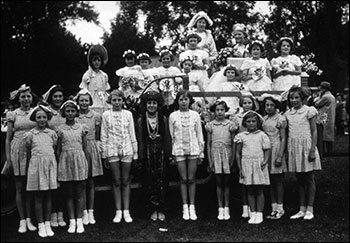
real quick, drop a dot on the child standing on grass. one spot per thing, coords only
(72, 164)
(119, 149)
(220, 148)
(187, 147)
(275, 127)
(303, 156)
(18, 124)
(154, 151)
(42, 170)
(93, 121)
(95, 80)
(252, 154)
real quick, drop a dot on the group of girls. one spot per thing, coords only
(57, 148)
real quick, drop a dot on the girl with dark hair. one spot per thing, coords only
(187, 147)
(154, 151)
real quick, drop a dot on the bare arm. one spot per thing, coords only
(9, 137)
(267, 154)
(239, 157)
(312, 155)
(211, 162)
(283, 145)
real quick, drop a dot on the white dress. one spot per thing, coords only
(285, 82)
(257, 69)
(207, 43)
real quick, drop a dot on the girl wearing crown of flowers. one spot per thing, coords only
(18, 124)
(286, 68)
(199, 24)
(95, 80)
(93, 121)
(199, 57)
(144, 60)
(240, 35)
(256, 70)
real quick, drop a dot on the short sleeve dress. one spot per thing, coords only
(56, 120)
(42, 169)
(299, 140)
(285, 82)
(18, 151)
(72, 165)
(93, 156)
(257, 69)
(221, 144)
(253, 146)
(272, 126)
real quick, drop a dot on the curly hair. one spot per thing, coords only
(279, 43)
(219, 102)
(152, 95)
(256, 43)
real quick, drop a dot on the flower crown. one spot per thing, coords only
(164, 51)
(286, 38)
(143, 55)
(129, 51)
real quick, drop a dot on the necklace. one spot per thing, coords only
(153, 123)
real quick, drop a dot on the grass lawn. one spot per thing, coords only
(331, 209)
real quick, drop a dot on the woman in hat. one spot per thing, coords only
(154, 151)
(18, 124)
(200, 58)
(95, 80)
(199, 24)
(286, 68)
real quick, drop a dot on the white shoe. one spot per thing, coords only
(85, 217)
(221, 214)
(227, 213)
(258, 218)
(80, 226)
(22, 226)
(127, 217)
(245, 213)
(54, 222)
(252, 218)
(118, 216)
(48, 229)
(193, 215)
(30, 226)
(298, 215)
(185, 212)
(60, 219)
(42, 230)
(72, 225)
(91, 217)
(308, 215)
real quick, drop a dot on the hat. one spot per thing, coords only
(83, 92)
(240, 28)
(198, 16)
(273, 96)
(193, 35)
(325, 85)
(98, 50)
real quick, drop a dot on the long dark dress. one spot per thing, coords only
(154, 152)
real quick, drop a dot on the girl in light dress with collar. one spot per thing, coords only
(18, 124)
(303, 156)
(274, 126)
(187, 148)
(95, 80)
(199, 24)
(72, 164)
(93, 121)
(119, 149)
(220, 149)
(42, 167)
(252, 153)
(256, 70)
(286, 69)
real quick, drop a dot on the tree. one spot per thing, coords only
(320, 27)
(37, 49)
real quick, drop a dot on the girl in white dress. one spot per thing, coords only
(286, 68)
(256, 70)
(240, 36)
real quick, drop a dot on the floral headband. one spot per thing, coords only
(286, 38)
(143, 55)
(15, 93)
(129, 52)
(165, 51)
(241, 28)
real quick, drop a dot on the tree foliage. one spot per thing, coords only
(320, 27)
(37, 49)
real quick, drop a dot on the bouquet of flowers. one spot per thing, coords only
(224, 53)
(308, 65)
